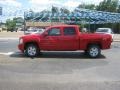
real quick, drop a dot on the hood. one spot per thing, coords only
(31, 37)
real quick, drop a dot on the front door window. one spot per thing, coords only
(54, 32)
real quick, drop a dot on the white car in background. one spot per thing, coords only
(105, 31)
(34, 31)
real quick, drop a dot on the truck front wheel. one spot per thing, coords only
(31, 50)
(94, 51)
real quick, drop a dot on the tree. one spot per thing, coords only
(18, 20)
(64, 10)
(87, 6)
(10, 24)
(108, 5)
(118, 10)
(54, 10)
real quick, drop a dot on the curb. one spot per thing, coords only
(116, 40)
(9, 38)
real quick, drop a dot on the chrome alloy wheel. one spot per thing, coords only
(32, 51)
(94, 51)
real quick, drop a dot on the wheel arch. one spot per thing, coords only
(94, 43)
(28, 43)
(91, 45)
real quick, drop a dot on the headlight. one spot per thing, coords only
(20, 41)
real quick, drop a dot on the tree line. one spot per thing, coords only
(105, 5)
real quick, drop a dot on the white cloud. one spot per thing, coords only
(44, 2)
(71, 4)
(10, 9)
(38, 5)
(12, 3)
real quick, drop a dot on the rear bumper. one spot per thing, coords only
(106, 45)
(21, 47)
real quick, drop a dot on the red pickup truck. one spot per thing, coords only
(64, 38)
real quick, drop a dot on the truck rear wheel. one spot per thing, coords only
(31, 50)
(94, 51)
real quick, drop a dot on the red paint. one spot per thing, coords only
(62, 42)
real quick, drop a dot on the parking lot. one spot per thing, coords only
(58, 70)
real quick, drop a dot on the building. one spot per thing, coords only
(42, 24)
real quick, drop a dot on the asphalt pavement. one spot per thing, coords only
(8, 45)
(58, 70)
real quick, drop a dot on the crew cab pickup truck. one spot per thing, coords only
(64, 38)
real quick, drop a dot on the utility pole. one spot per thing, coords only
(51, 7)
(24, 23)
(0, 16)
(51, 15)
(0, 10)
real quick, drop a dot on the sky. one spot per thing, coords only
(15, 8)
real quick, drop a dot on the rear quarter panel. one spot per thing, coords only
(103, 40)
(86, 39)
(106, 42)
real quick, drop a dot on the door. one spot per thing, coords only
(51, 40)
(70, 39)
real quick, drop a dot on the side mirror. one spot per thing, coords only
(46, 34)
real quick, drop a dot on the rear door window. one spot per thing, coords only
(69, 31)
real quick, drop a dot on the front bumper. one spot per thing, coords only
(21, 47)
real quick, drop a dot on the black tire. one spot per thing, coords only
(32, 50)
(85, 52)
(94, 51)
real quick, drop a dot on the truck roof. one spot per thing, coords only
(65, 26)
